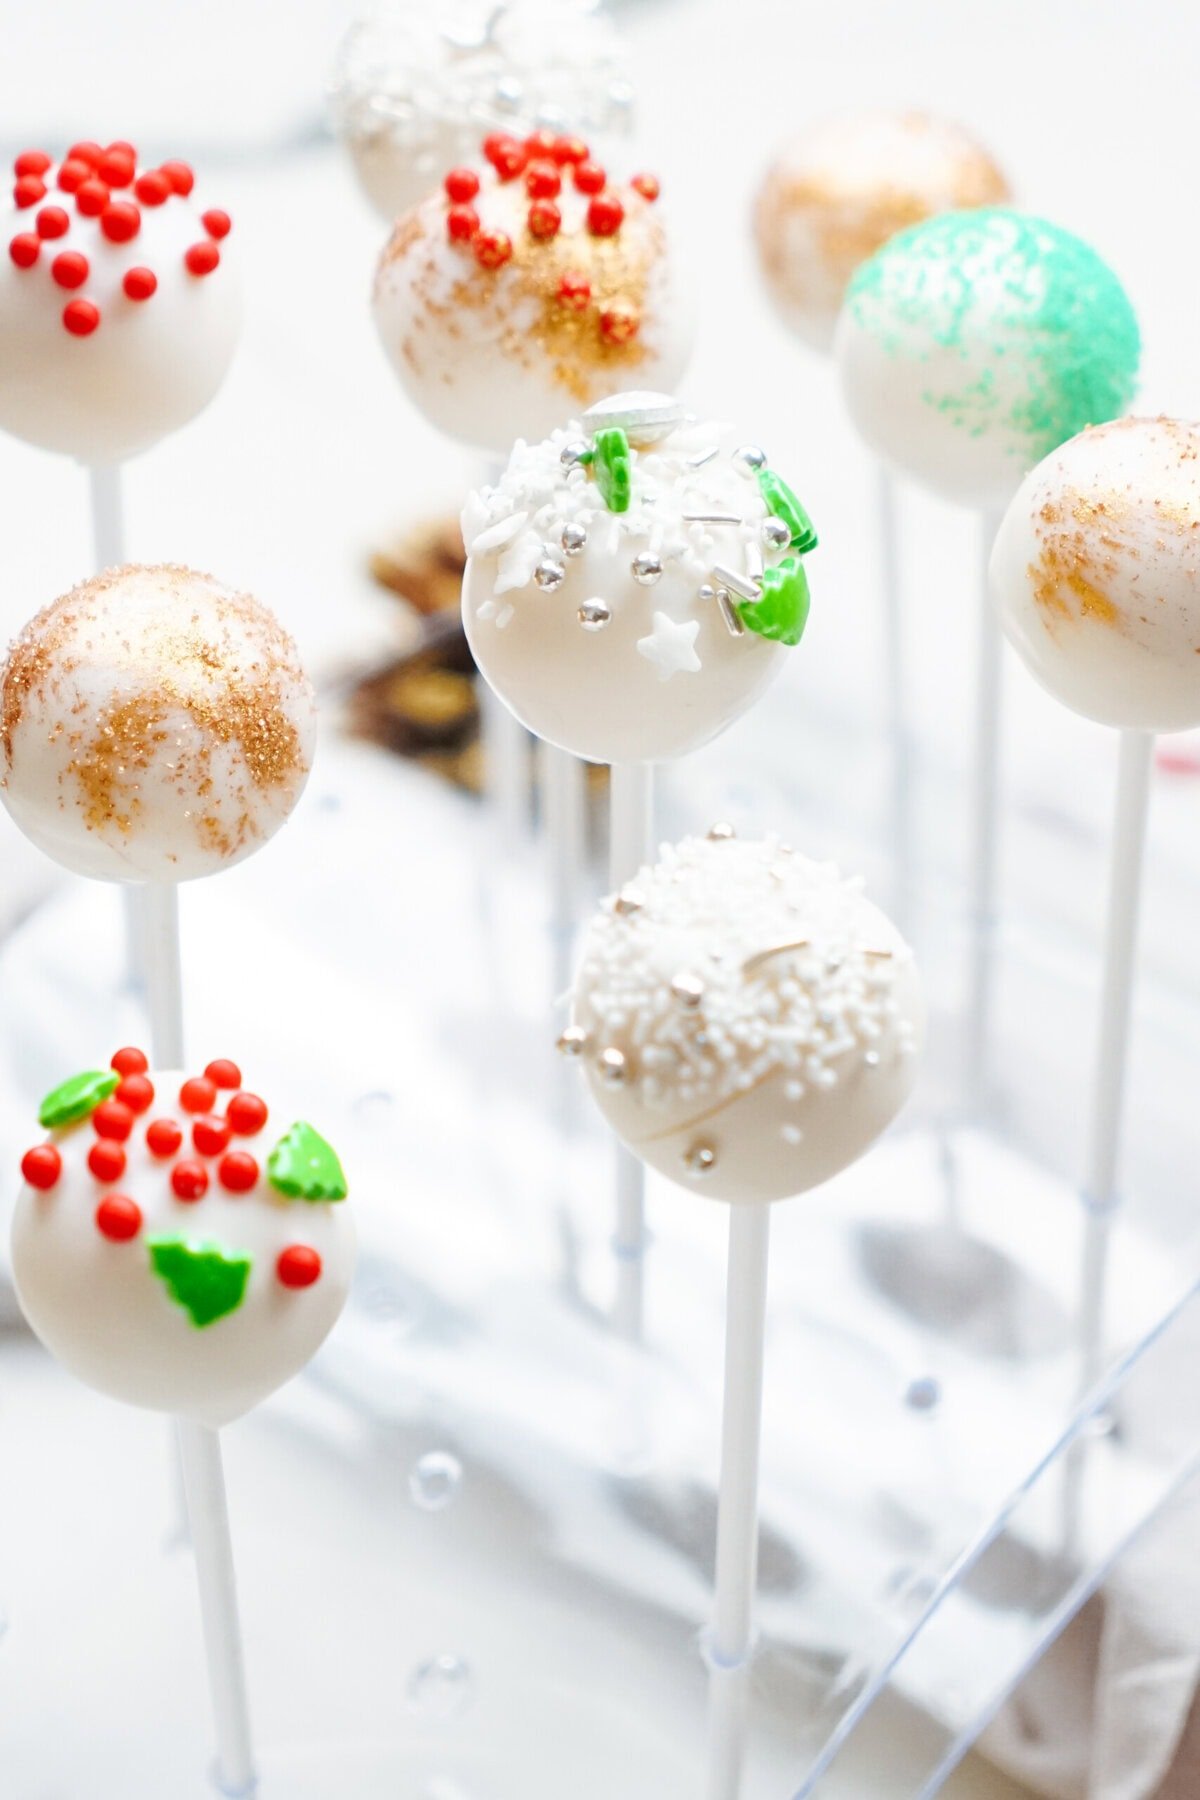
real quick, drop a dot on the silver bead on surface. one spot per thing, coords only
(549, 575)
(573, 452)
(687, 988)
(574, 539)
(706, 591)
(720, 833)
(700, 1159)
(629, 900)
(646, 568)
(508, 93)
(749, 459)
(612, 1066)
(573, 1041)
(774, 533)
(594, 615)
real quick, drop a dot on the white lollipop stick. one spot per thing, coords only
(505, 766)
(564, 795)
(199, 1445)
(900, 796)
(631, 814)
(985, 814)
(1135, 759)
(731, 1638)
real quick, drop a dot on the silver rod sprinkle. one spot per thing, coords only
(698, 462)
(754, 562)
(712, 518)
(741, 584)
(730, 614)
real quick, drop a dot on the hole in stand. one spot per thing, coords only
(923, 1394)
(435, 1480)
(441, 1689)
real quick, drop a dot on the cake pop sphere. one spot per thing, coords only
(526, 286)
(119, 314)
(154, 726)
(173, 1246)
(748, 1021)
(634, 582)
(417, 85)
(971, 346)
(841, 189)
(1096, 572)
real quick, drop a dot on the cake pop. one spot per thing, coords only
(118, 311)
(634, 580)
(840, 190)
(1096, 572)
(415, 85)
(154, 726)
(172, 1251)
(529, 283)
(972, 345)
(748, 1021)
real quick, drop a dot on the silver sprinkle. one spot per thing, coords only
(705, 456)
(629, 900)
(508, 93)
(740, 583)
(549, 575)
(706, 592)
(573, 451)
(647, 568)
(774, 533)
(612, 1066)
(574, 538)
(749, 459)
(687, 988)
(729, 613)
(720, 833)
(712, 518)
(594, 615)
(700, 1159)
(754, 562)
(573, 1041)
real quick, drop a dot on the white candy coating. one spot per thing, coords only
(844, 187)
(1096, 572)
(491, 354)
(591, 648)
(149, 366)
(748, 1021)
(416, 86)
(103, 1312)
(154, 726)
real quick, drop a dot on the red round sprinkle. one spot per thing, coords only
(152, 188)
(211, 1136)
(238, 1171)
(604, 215)
(86, 152)
(462, 222)
(122, 147)
(506, 154)
(247, 1114)
(81, 317)
(202, 259)
(461, 184)
(492, 248)
(113, 1119)
(589, 178)
(72, 173)
(223, 1073)
(70, 269)
(180, 177)
(499, 143)
(119, 1218)
(189, 1180)
(545, 220)
(575, 290)
(569, 150)
(218, 224)
(129, 1061)
(91, 197)
(619, 322)
(53, 222)
(298, 1266)
(106, 1160)
(540, 143)
(25, 249)
(136, 1092)
(139, 284)
(163, 1137)
(121, 221)
(41, 1166)
(28, 190)
(198, 1095)
(647, 186)
(542, 180)
(31, 162)
(118, 166)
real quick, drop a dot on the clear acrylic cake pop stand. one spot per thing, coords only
(935, 1501)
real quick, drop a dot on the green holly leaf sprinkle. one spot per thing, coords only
(201, 1278)
(781, 501)
(612, 468)
(303, 1166)
(77, 1098)
(781, 612)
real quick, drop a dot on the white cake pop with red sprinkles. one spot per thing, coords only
(118, 313)
(155, 725)
(532, 284)
(749, 1022)
(171, 1250)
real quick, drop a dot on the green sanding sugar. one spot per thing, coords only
(997, 288)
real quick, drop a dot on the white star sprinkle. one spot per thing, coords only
(671, 647)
